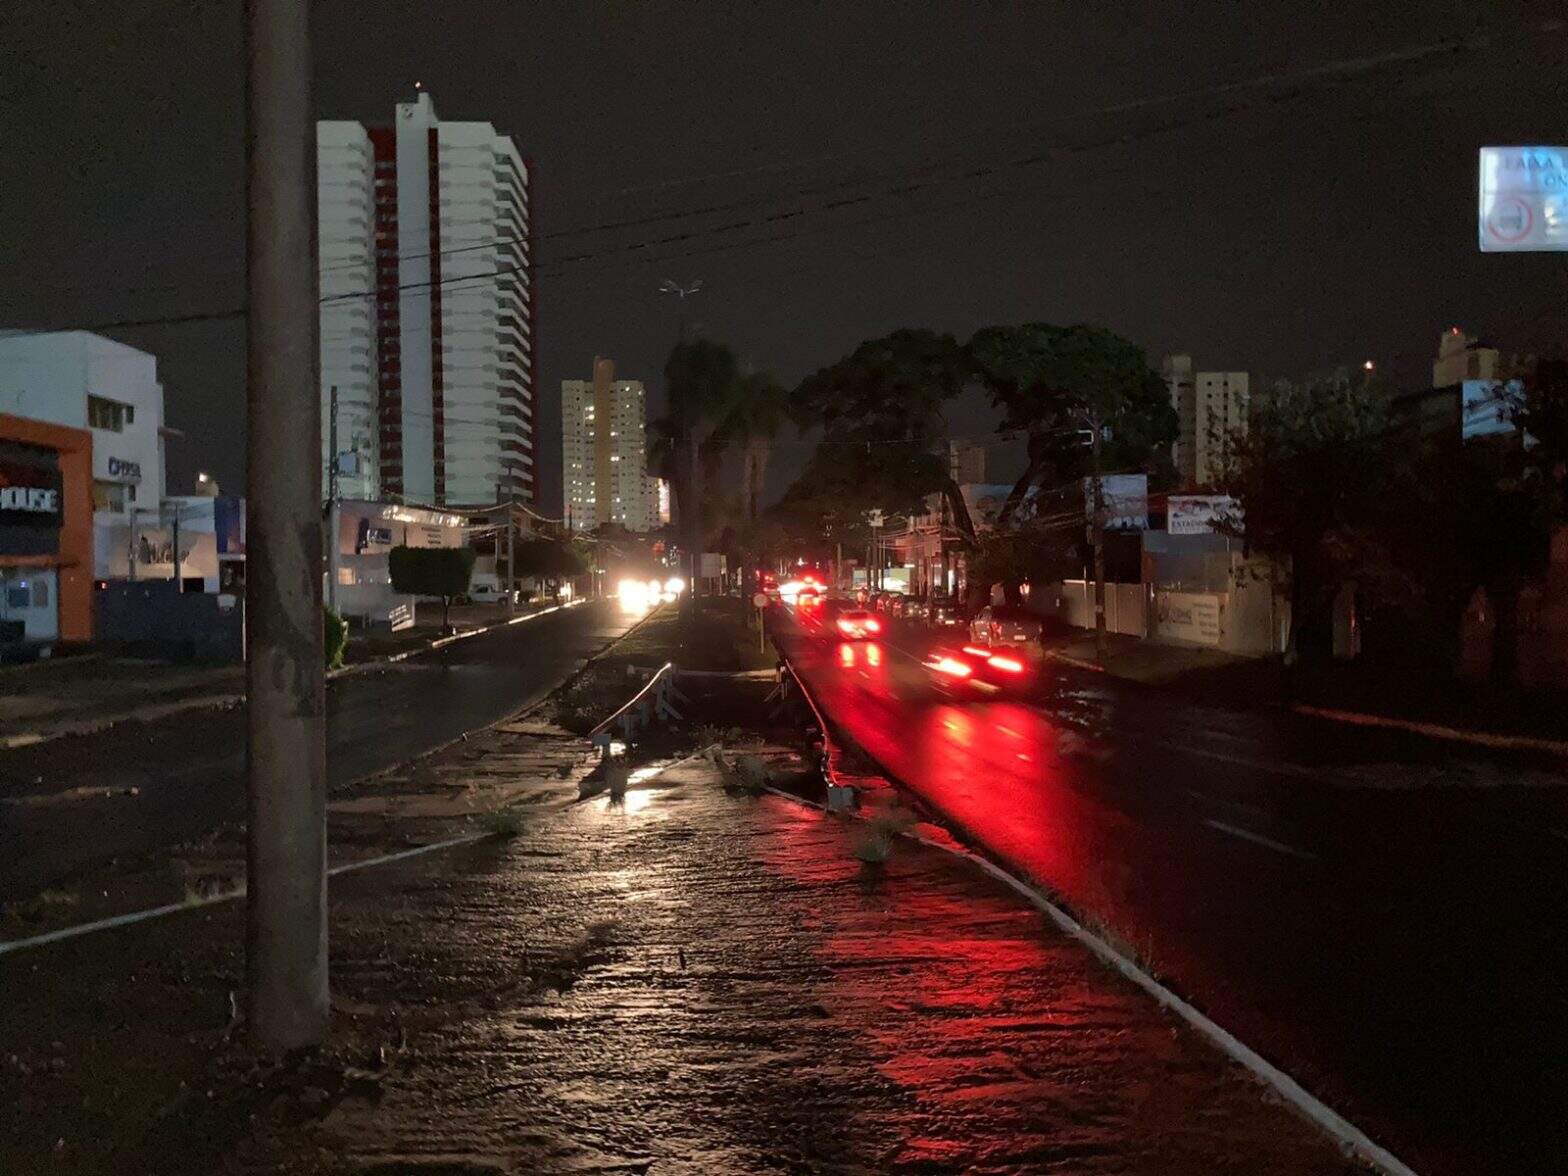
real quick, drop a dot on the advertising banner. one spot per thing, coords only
(1196, 514)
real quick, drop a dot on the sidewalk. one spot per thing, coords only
(686, 981)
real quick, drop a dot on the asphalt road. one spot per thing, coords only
(1382, 915)
(66, 805)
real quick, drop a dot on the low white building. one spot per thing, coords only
(366, 533)
(85, 381)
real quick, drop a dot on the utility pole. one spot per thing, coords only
(174, 551)
(511, 553)
(334, 544)
(1097, 535)
(691, 524)
(286, 903)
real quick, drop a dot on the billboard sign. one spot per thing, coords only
(1196, 514)
(1523, 199)
(1489, 407)
(1126, 499)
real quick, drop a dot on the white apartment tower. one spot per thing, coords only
(447, 415)
(1210, 408)
(604, 452)
(346, 246)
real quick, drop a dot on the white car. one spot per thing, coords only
(489, 591)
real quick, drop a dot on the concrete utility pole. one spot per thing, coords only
(286, 907)
(511, 553)
(691, 525)
(1097, 536)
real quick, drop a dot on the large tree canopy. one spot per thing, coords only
(1054, 382)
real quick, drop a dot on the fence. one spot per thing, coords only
(1126, 606)
(656, 700)
(153, 618)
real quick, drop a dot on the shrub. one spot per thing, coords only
(335, 633)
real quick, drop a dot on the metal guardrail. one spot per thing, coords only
(656, 700)
(840, 795)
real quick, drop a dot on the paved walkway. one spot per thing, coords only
(693, 982)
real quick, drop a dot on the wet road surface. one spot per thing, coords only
(1383, 916)
(67, 805)
(691, 982)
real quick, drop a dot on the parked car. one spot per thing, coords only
(883, 602)
(1005, 624)
(488, 590)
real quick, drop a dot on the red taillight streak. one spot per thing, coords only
(874, 626)
(1011, 665)
(948, 665)
(976, 651)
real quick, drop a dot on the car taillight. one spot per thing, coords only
(976, 651)
(845, 625)
(952, 667)
(1010, 664)
(873, 624)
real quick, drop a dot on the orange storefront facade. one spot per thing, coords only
(46, 532)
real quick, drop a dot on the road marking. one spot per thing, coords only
(1438, 731)
(1259, 839)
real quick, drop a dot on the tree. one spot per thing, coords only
(1050, 381)
(702, 379)
(1314, 475)
(432, 571)
(1062, 385)
(754, 419)
(880, 410)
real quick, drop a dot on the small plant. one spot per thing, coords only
(751, 775)
(504, 823)
(335, 638)
(616, 776)
(875, 845)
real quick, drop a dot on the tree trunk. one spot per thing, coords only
(1015, 496)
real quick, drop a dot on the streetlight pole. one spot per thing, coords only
(286, 903)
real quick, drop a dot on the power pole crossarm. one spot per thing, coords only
(286, 903)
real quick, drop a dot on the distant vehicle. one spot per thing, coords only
(857, 624)
(943, 612)
(1005, 624)
(883, 601)
(486, 589)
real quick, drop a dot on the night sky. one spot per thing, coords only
(868, 166)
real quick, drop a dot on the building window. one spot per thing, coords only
(108, 495)
(103, 413)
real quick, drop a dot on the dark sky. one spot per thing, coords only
(1276, 228)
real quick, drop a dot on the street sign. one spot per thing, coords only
(760, 600)
(1523, 199)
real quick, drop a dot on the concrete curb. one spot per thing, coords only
(218, 701)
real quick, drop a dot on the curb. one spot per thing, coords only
(1346, 1135)
(219, 701)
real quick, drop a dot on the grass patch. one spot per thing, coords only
(503, 823)
(874, 845)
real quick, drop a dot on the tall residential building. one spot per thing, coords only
(448, 416)
(1210, 407)
(604, 452)
(1462, 357)
(346, 247)
(1220, 401)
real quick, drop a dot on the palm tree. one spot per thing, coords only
(754, 420)
(701, 379)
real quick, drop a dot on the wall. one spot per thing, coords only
(151, 618)
(1126, 606)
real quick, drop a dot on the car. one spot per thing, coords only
(1005, 624)
(883, 601)
(943, 612)
(857, 624)
(487, 590)
(975, 668)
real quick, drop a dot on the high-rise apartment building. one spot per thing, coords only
(347, 260)
(447, 415)
(604, 452)
(1210, 408)
(1177, 371)
(1462, 357)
